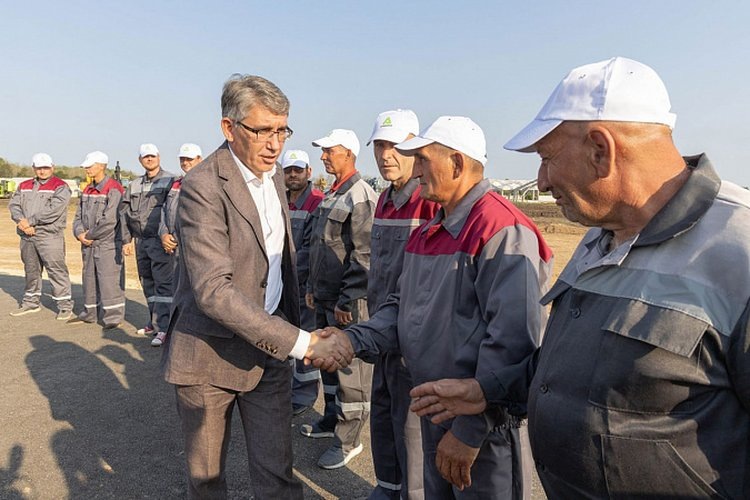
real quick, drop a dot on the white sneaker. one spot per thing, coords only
(23, 310)
(146, 330)
(159, 339)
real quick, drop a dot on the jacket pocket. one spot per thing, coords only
(639, 468)
(647, 361)
(200, 324)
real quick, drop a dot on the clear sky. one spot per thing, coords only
(84, 75)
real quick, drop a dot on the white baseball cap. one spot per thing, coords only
(187, 150)
(94, 157)
(394, 126)
(148, 149)
(339, 137)
(617, 89)
(456, 132)
(41, 160)
(295, 158)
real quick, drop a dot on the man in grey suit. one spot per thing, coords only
(237, 302)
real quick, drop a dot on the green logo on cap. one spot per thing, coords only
(387, 122)
(293, 156)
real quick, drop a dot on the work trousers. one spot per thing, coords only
(47, 253)
(502, 469)
(103, 279)
(395, 433)
(206, 417)
(306, 381)
(155, 270)
(348, 405)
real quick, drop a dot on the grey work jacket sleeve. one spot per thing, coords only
(303, 255)
(14, 205)
(357, 265)
(205, 249)
(53, 209)
(163, 220)
(106, 221)
(78, 228)
(125, 233)
(508, 291)
(379, 334)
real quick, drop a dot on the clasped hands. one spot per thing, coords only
(26, 228)
(330, 349)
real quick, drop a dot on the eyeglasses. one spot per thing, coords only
(265, 134)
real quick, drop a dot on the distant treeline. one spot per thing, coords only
(8, 169)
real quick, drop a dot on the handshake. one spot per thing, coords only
(330, 349)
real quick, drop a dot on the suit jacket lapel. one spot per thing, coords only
(238, 194)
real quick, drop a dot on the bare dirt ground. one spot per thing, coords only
(85, 413)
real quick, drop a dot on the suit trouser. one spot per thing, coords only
(306, 381)
(206, 417)
(155, 269)
(47, 253)
(349, 406)
(501, 470)
(103, 279)
(395, 434)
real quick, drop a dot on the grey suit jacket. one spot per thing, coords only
(219, 332)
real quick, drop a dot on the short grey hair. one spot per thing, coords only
(243, 92)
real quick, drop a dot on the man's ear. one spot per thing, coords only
(227, 128)
(458, 164)
(601, 150)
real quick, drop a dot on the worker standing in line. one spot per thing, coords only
(141, 215)
(337, 289)
(97, 227)
(395, 435)
(39, 208)
(189, 156)
(303, 199)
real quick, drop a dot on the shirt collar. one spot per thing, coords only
(100, 185)
(345, 182)
(687, 206)
(401, 197)
(454, 222)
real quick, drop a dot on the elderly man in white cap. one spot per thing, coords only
(467, 304)
(642, 386)
(39, 208)
(303, 199)
(141, 213)
(189, 156)
(337, 289)
(97, 227)
(395, 434)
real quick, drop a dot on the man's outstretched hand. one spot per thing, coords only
(447, 398)
(329, 350)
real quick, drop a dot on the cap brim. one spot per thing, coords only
(395, 136)
(414, 143)
(295, 163)
(87, 165)
(325, 142)
(41, 166)
(531, 134)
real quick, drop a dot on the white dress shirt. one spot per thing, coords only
(263, 191)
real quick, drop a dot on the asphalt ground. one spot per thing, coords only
(85, 414)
